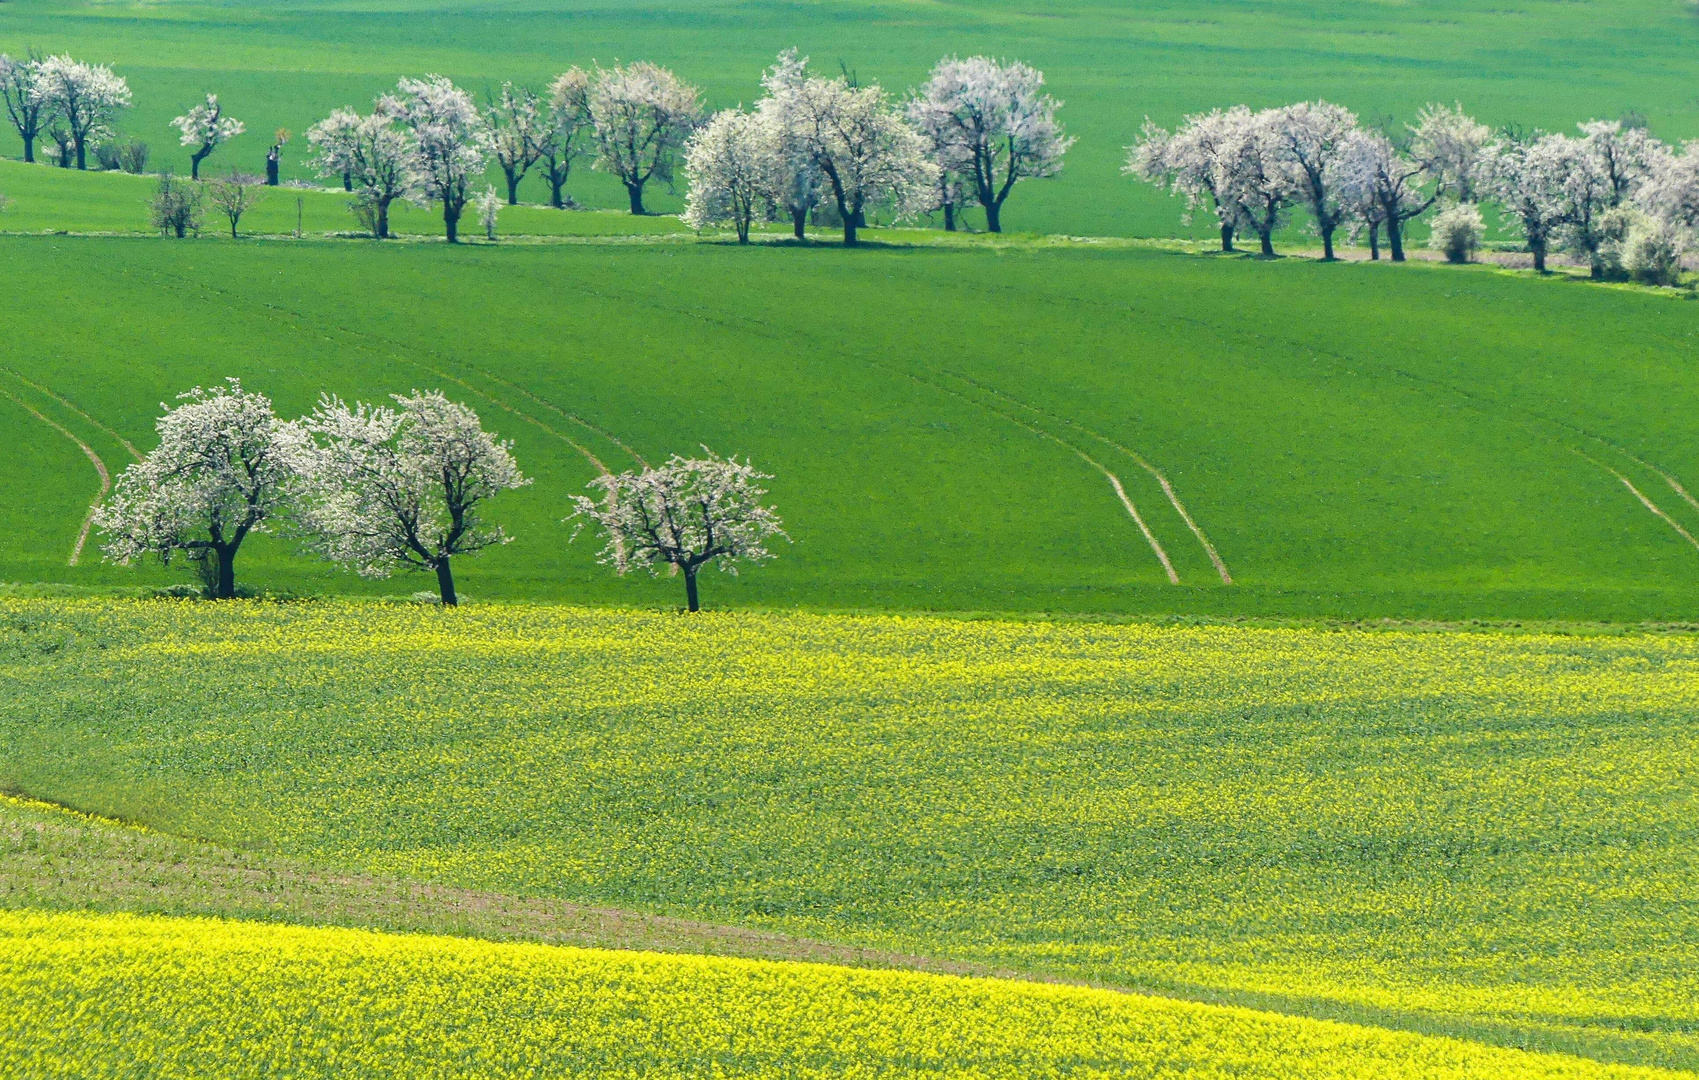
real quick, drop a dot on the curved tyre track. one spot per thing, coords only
(94, 459)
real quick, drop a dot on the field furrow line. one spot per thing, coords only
(377, 344)
(48, 391)
(744, 324)
(1646, 502)
(1161, 477)
(94, 459)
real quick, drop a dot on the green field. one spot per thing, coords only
(1353, 440)
(1485, 836)
(1549, 63)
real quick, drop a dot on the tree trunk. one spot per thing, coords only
(1226, 237)
(636, 193)
(29, 149)
(271, 165)
(742, 229)
(994, 216)
(383, 220)
(1267, 236)
(195, 160)
(512, 187)
(556, 185)
(1327, 244)
(225, 589)
(1374, 241)
(451, 222)
(445, 583)
(347, 181)
(1395, 239)
(82, 159)
(690, 588)
(949, 217)
(799, 220)
(1539, 251)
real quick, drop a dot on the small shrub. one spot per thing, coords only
(365, 211)
(176, 206)
(1458, 231)
(489, 208)
(1652, 252)
(132, 156)
(106, 156)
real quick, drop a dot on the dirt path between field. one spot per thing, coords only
(94, 459)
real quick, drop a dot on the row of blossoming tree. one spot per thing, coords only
(376, 488)
(1613, 196)
(975, 130)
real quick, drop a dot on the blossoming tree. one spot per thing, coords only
(206, 128)
(996, 125)
(641, 115)
(224, 467)
(451, 142)
(685, 513)
(735, 169)
(402, 487)
(86, 98)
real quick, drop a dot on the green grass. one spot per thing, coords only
(1538, 62)
(1357, 441)
(1488, 836)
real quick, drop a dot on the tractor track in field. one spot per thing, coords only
(48, 391)
(1161, 477)
(764, 329)
(1487, 406)
(94, 459)
(399, 353)
(1648, 503)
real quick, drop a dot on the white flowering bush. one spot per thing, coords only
(1458, 232)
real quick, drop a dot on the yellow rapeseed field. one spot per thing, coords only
(1491, 835)
(95, 996)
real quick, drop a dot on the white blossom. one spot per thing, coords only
(223, 469)
(451, 142)
(1626, 156)
(377, 159)
(1671, 191)
(1531, 180)
(566, 122)
(488, 203)
(686, 513)
(642, 115)
(1452, 149)
(1458, 231)
(1311, 139)
(797, 188)
(206, 128)
(26, 106)
(86, 98)
(993, 124)
(388, 487)
(1371, 170)
(517, 127)
(1190, 163)
(734, 165)
(1252, 172)
(867, 154)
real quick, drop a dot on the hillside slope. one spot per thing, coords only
(947, 424)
